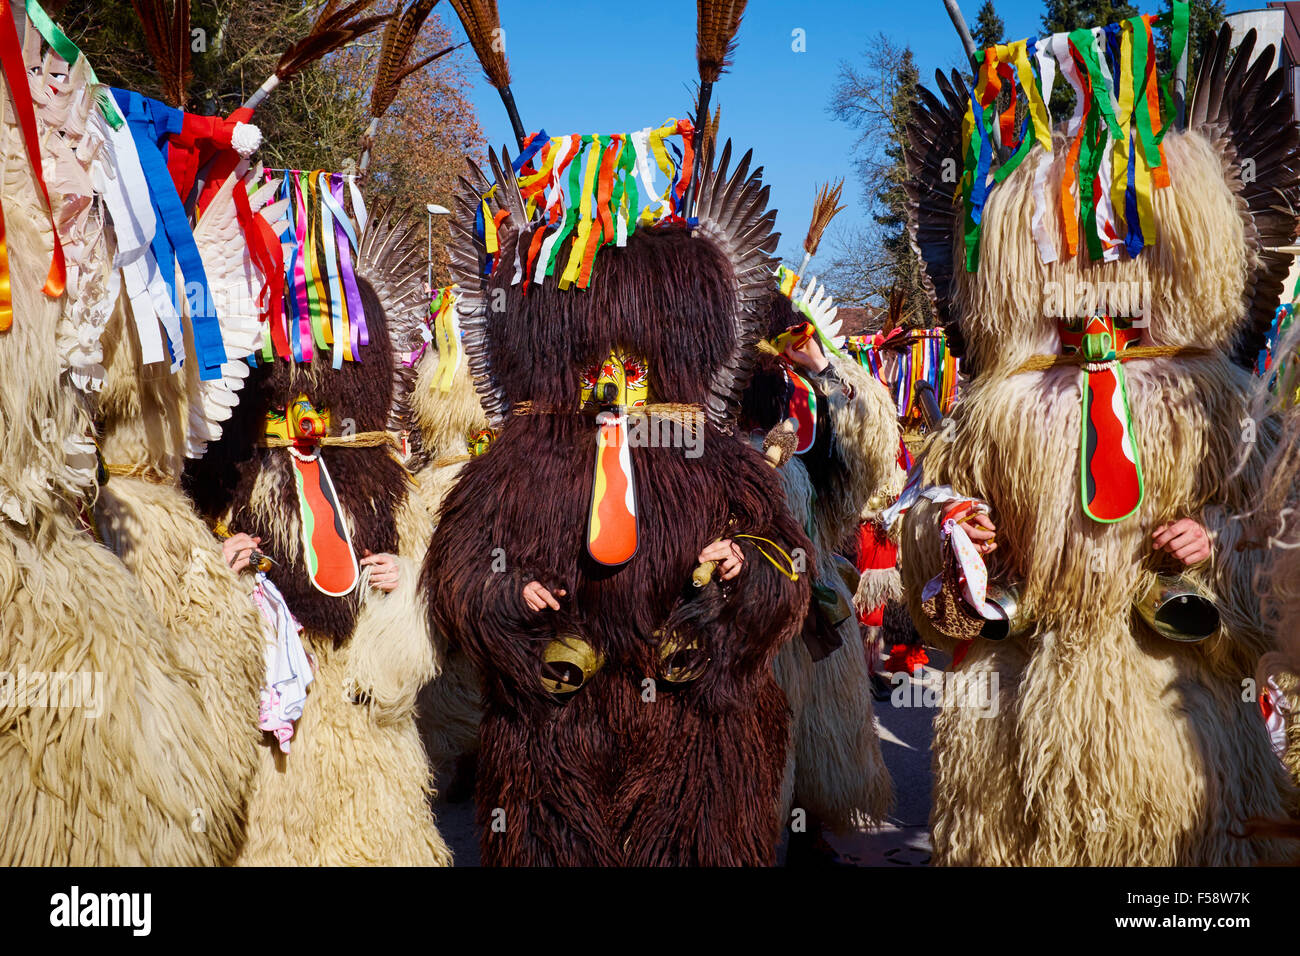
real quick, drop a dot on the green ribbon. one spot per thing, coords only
(571, 214)
(1176, 19)
(65, 48)
(1141, 108)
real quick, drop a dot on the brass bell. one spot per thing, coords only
(568, 662)
(1176, 609)
(680, 660)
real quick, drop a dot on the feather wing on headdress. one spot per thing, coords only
(467, 251)
(391, 257)
(816, 303)
(733, 213)
(932, 151)
(236, 287)
(1246, 108)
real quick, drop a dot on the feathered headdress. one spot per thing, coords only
(394, 52)
(482, 23)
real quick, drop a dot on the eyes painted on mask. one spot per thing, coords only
(300, 421)
(622, 379)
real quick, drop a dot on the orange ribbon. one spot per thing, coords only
(15, 69)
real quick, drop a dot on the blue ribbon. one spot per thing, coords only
(522, 159)
(1133, 238)
(980, 187)
(151, 122)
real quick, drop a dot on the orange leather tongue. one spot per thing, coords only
(326, 542)
(611, 523)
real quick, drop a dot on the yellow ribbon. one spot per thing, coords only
(595, 153)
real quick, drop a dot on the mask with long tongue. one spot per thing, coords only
(326, 540)
(617, 384)
(1110, 471)
(801, 397)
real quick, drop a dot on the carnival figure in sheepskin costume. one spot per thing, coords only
(1092, 453)
(452, 429)
(110, 754)
(151, 418)
(830, 429)
(1275, 528)
(631, 716)
(307, 469)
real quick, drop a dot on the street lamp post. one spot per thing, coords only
(432, 210)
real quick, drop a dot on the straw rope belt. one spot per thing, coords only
(144, 472)
(358, 440)
(1041, 363)
(678, 411)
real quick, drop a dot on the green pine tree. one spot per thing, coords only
(989, 28)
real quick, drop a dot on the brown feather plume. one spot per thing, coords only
(825, 208)
(710, 139)
(399, 39)
(335, 26)
(717, 22)
(894, 316)
(482, 25)
(167, 34)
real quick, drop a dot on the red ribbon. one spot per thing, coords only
(15, 68)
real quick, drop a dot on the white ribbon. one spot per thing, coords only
(120, 180)
(358, 206)
(1038, 223)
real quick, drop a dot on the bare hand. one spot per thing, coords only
(383, 571)
(237, 551)
(980, 529)
(726, 552)
(1186, 539)
(809, 355)
(538, 598)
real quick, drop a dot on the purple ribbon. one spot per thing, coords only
(343, 239)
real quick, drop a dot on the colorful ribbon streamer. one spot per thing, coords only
(321, 308)
(596, 188)
(1114, 157)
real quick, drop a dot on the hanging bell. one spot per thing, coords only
(1176, 609)
(1006, 598)
(681, 660)
(568, 662)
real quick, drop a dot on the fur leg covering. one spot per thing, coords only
(356, 788)
(1110, 746)
(841, 776)
(449, 708)
(216, 630)
(126, 772)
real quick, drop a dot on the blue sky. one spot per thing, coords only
(587, 66)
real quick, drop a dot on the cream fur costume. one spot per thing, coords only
(1109, 744)
(147, 417)
(356, 787)
(124, 772)
(450, 708)
(834, 768)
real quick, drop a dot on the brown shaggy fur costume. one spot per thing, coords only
(628, 770)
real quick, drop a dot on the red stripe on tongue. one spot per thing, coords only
(336, 564)
(1113, 487)
(803, 409)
